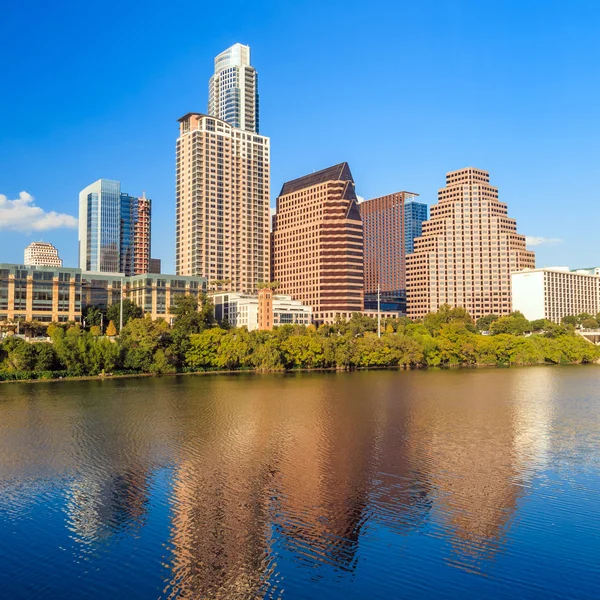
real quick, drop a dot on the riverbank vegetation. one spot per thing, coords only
(195, 342)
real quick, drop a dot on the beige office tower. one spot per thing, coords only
(467, 251)
(222, 203)
(318, 243)
(42, 254)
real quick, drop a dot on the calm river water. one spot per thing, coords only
(438, 484)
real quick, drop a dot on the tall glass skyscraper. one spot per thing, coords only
(233, 89)
(109, 229)
(414, 215)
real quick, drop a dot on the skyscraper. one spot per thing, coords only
(223, 182)
(100, 227)
(42, 254)
(415, 213)
(390, 224)
(233, 89)
(468, 249)
(317, 249)
(114, 230)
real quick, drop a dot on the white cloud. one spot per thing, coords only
(533, 240)
(23, 215)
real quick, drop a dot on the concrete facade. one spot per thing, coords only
(42, 254)
(468, 249)
(317, 243)
(222, 203)
(555, 292)
(263, 311)
(51, 294)
(386, 223)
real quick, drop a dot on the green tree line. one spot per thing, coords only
(194, 342)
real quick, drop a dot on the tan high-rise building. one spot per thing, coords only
(222, 203)
(467, 251)
(317, 248)
(42, 254)
(390, 224)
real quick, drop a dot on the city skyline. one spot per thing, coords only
(494, 119)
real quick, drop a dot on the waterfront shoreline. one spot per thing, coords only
(289, 371)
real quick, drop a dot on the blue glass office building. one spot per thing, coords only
(107, 220)
(414, 215)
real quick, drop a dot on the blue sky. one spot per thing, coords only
(403, 91)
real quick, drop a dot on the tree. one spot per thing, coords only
(130, 311)
(589, 323)
(538, 325)
(192, 314)
(111, 330)
(144, 344)
(445, 315)
(484, 323)
(569, 320)
(46, 358)
(515, 324)
(93, 316)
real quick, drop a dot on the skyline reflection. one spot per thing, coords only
(254, 476)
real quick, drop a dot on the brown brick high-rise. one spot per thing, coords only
(468, 249)
(318, 243)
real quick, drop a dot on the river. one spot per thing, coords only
(480, 483)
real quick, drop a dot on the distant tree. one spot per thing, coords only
(130, 311)
(538, 325)
(92, 316)
(484, 323)
(514, 324)
(590, 323)
(569, 320)
(446, 314)
(95, 330)
(111, 330)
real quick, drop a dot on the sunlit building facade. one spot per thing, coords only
(555, 292)
(317, 248)
(467, 251)
(39, 293)
(42, 254)
(233, 89)
(389, 223)
(222, 213)
(114, 229)
(262, 311)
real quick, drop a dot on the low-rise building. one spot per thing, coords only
(242, 310)
(39, 293)
(47, 294)
(156, 294)
(555, 292)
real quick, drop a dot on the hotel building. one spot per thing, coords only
(42, 254)
(114, 230)
(390, 225)
(317, 250)
(467, 251)
(555, 292)
(263, 311)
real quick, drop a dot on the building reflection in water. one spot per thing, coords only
(287, 469)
